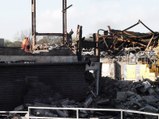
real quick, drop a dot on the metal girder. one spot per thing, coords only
(53, 34)
(137, 24)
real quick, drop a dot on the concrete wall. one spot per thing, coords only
(40, 59)
(126, 71)
(17, 80)
(108, 70)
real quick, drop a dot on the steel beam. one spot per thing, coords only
(49, 34)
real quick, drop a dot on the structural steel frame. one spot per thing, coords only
(64, 22)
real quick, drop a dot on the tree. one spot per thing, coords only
(8, 43)
(21, 35)
(50, 39)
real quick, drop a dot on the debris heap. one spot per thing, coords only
(141, 96)
(114, 42)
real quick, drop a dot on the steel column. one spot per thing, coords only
(64, 14)
(33, 23)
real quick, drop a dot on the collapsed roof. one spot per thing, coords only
(114, 41)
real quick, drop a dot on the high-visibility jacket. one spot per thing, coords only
(25, 44)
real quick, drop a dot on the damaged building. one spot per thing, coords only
(113, 75)
(130, 55)
(74, 84)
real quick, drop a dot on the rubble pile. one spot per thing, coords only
(54, 49)
(141, 95)
(114, 94)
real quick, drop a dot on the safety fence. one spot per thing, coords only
(8, 114)
(78, 110)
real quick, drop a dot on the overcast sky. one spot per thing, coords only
(15, 15)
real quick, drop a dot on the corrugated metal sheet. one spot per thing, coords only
(67, 79)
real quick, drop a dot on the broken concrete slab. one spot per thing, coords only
(149, 108)
(121, 96)
(150, 99)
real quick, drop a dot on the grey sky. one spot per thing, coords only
(91, 14)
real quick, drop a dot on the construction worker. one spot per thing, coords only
(26, 44)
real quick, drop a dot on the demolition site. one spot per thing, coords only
(111, 75)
